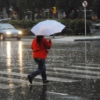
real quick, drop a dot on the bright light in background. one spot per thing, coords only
(8, 53)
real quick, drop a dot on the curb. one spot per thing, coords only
(75, 38)
(86, 39)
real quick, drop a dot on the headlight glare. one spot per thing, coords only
(8, 32)
(20, 32)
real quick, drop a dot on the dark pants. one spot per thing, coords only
(41, 69)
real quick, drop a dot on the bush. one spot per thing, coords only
(73, 27)
(77, 26)
(24, 26)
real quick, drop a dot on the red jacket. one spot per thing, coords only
(40, 51)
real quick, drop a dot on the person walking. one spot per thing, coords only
(40, 46)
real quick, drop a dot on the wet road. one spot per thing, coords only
(73, 69)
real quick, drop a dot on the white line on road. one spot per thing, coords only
(3, 86)
(57, 93)
(39, 77)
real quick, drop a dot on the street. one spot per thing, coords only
(73, 68)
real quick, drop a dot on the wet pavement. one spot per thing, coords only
(73, 68)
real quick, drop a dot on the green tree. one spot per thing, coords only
(4, 3)
(38, 5)
(65, 5)
(69, 5)
(96, 7)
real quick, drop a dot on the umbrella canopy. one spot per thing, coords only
(47, 28)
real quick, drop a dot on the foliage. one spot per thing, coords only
(68, 6)
(73, 27)
(96, 7)
(76, 27)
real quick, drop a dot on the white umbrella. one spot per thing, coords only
(47, 28)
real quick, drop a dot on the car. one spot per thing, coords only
(96, 24)
(9, 31)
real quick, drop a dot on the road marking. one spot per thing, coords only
(81, 72)
(75, 70)
(84, 67)
(25, 82)
(75, 73)
(3, 86)
(39, 77)
(56, 93)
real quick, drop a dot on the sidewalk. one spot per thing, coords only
(78, 38)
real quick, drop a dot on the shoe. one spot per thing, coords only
(46, 81)
(29, 79)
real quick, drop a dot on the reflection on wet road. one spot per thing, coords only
(73, 69)
(9, 51)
